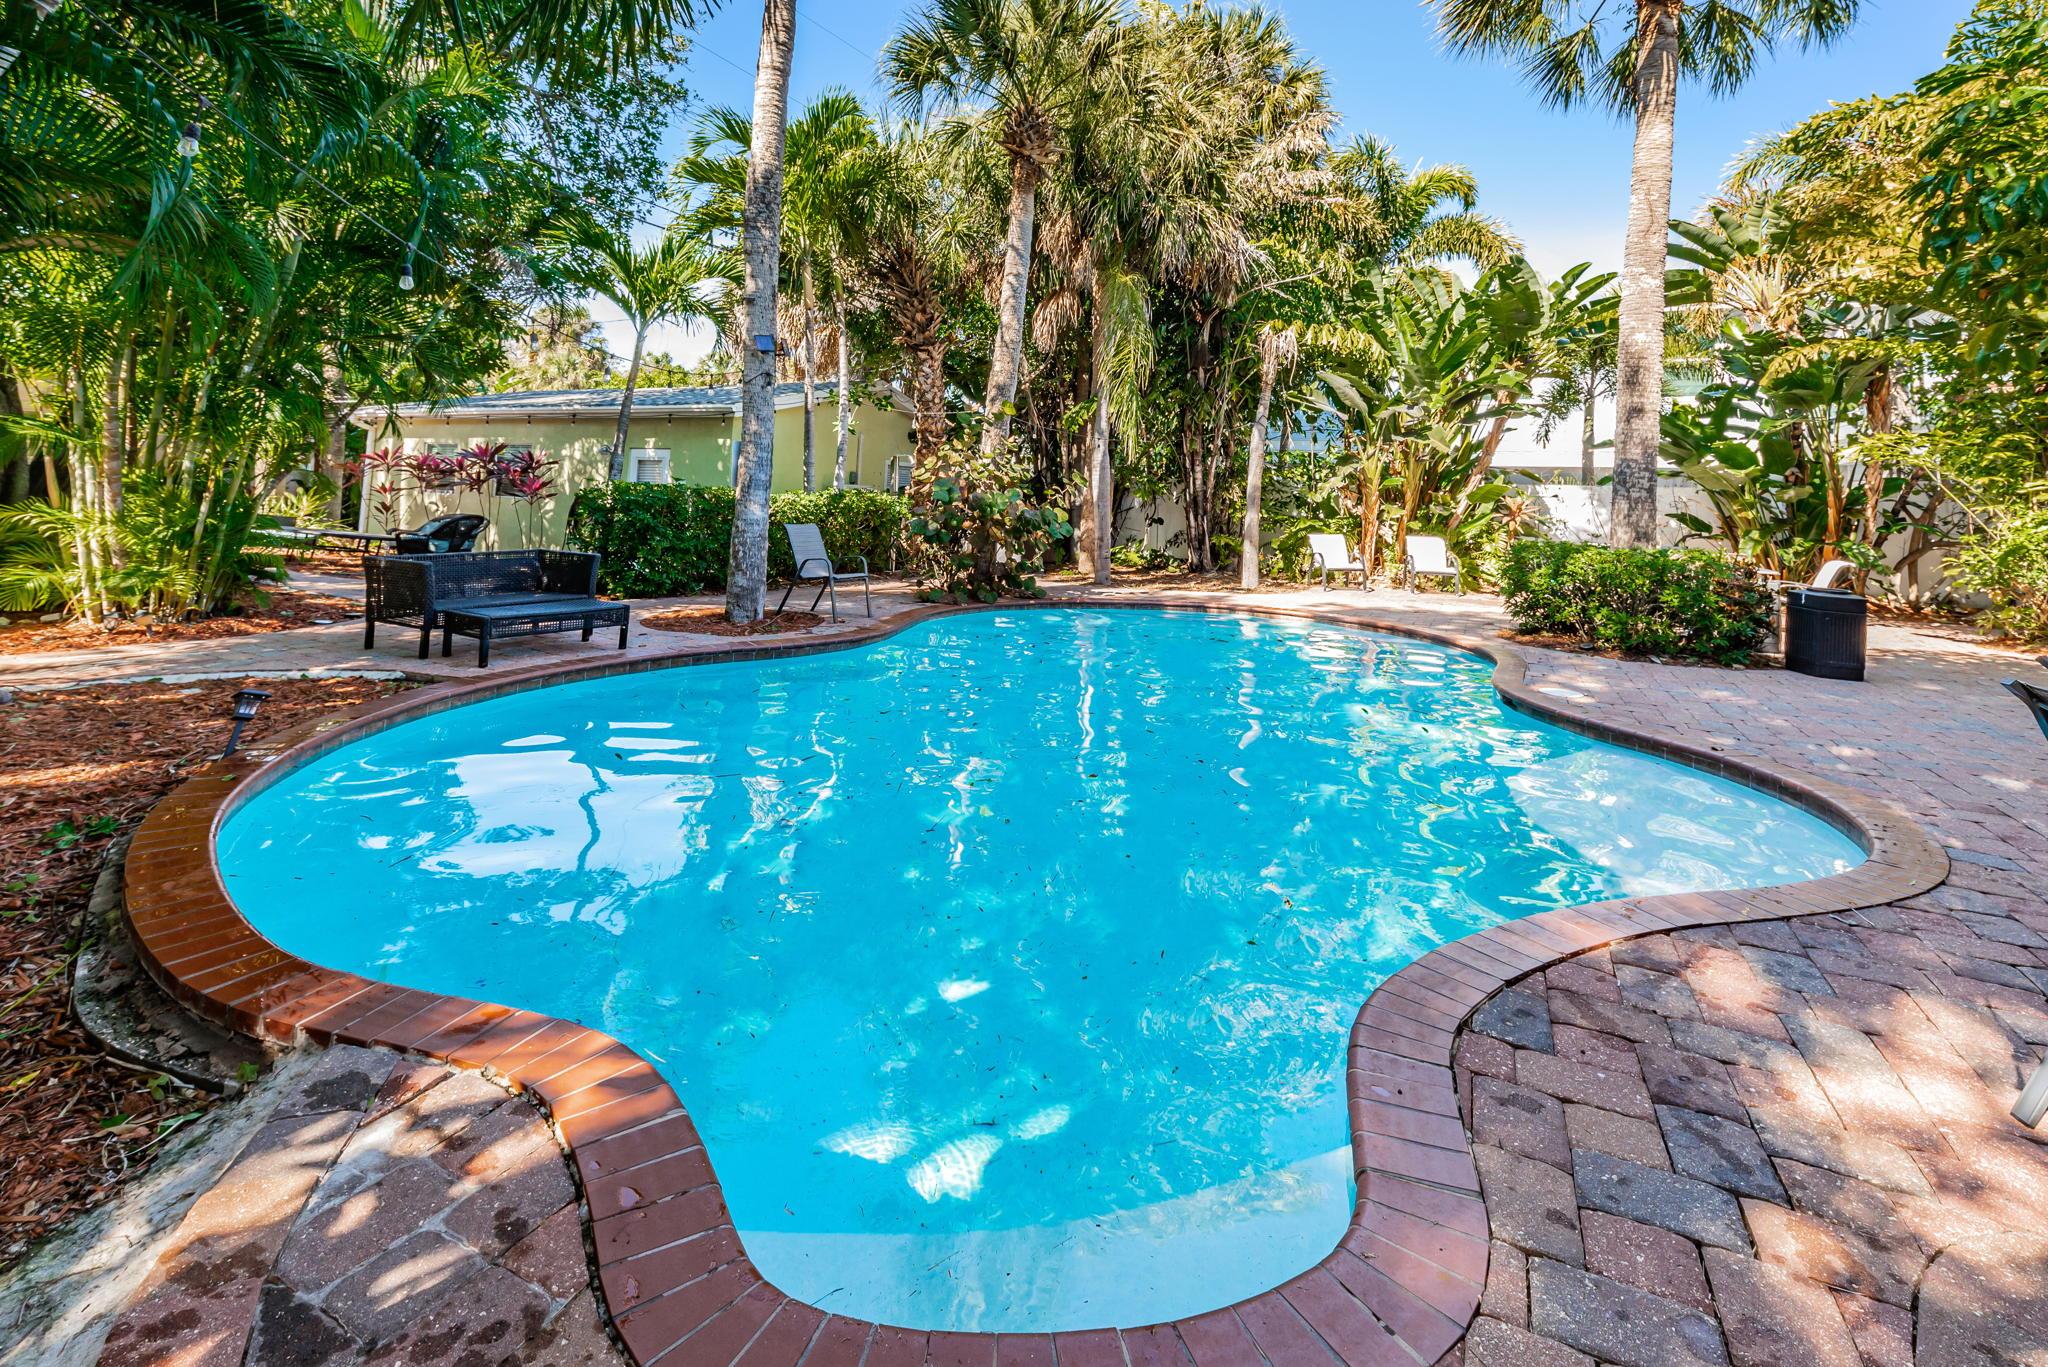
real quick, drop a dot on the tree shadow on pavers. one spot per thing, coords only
(1983, 1304)
(57, 1306)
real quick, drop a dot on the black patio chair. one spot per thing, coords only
(2035, 697)
(2032, 1106)
(443, 535)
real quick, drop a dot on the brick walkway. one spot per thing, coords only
(387, 1212)
(1788, 1143)
(338, 649)
(1779, 1144)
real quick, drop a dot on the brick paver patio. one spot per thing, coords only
(338, 649)
(1776, 1144)
(1787, 1144)
(388, 1212)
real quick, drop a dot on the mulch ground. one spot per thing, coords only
(284, 611)
(711, 622)
(77, 768)
(326, 562)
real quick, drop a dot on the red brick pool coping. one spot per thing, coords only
(1400, 1288)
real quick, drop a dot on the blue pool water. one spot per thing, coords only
(1006, 966)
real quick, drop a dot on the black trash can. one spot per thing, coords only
(1825, 632)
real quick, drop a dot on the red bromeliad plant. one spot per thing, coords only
(488, 469)
(526, 476)
(383, 473)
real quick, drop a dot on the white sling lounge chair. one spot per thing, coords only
(1331, 554)
(808, 547)
(1428, 555)
(1832, 574)
(1828, 576)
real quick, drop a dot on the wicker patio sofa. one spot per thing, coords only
(487, 595)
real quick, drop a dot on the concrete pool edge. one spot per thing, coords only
(1411, 1266)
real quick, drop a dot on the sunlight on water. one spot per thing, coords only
(1006, 966)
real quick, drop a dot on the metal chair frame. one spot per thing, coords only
(812, 552)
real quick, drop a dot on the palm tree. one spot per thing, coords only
(746, 575)
(1588, 378)
(830, 165)
(1278, 346)
(1404, 217)
(1248, 160)
(911, 258)
(1378, 216)
(658, 284)
(1633, 56)
(1022, 71)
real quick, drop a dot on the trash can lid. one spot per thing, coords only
(1829, 600)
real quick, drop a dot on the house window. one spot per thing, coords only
(897, 477)
(648, 467)
(441, 476)
(510, 453)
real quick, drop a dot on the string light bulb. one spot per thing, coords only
(188, 140)
(405, 280)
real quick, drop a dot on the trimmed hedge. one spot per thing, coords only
(1686, 604)
(667, 540)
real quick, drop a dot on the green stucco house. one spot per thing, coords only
(678, 436)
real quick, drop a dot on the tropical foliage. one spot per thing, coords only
(666, 540)
(1677, 603)
(1119, 258)
(1632, 56)
(226, 227)
(1862, 336)
(979, 535)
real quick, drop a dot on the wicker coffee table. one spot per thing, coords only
(493, 621)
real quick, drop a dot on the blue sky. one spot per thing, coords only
(1560, 181)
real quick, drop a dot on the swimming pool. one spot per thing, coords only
(1006, 965)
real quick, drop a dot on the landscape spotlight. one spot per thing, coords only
(247, 700)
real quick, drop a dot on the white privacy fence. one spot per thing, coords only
(1581, 512)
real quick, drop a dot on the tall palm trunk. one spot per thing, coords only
(746, 577)
(1588, 438)
(114, 449)
(1101, 477)
(1877, 413)
(1255, 465)
(1006, 363)
(620, 435)
(1639, 389)
(810, 378)
(928, 402)
(844, 393)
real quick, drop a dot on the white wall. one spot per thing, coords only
(1581, 512)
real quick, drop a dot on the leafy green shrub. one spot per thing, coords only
(668, 540)
(1140, 555)
(176, 564)
(2007, 562)
(979, 537)
(1686, 604)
